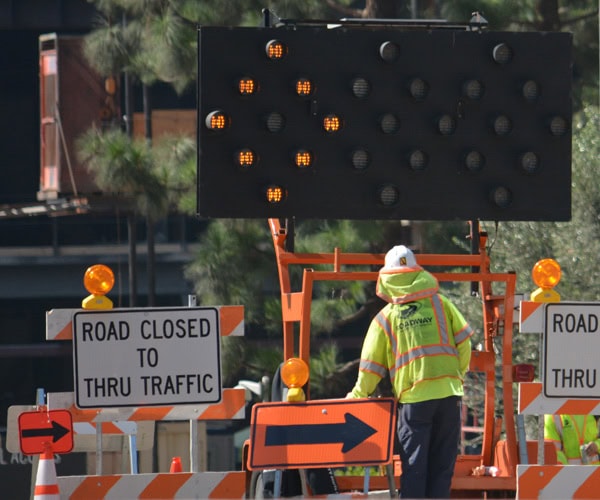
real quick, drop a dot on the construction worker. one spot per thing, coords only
(422, 341)
(575, 438)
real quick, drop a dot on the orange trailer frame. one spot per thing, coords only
(497, 322)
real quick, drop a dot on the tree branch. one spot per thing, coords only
(579, 18)
(344, 10)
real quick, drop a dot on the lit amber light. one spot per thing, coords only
(546, 273)
(217, 120)
(303, 158)
(332, 123)
(275, 49)
(246, 158)
(247, 86)
(294, 372)
(275, 194)
(304, 87)
(98, 279)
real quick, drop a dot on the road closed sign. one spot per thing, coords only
(146, 357)
(571, 347)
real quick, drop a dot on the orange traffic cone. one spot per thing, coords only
(176, 465)
(46, 484)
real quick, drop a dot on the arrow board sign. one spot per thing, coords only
(41, 430)
(571, 347)
(322, 433)
(146, 357)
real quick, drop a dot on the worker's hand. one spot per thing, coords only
(349, 396)
(591, 449)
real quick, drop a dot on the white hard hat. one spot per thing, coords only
(400, 258)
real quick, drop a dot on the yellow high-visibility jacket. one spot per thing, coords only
(568, 433)
(419, 338)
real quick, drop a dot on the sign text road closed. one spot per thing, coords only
(322, 433)
(571, 347)
(146, 357)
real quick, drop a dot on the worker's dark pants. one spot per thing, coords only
(429, 434)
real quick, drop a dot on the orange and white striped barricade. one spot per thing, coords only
(531, 317)
(555, 481)
(231, 407)
(533, 402)
(187, 485)
(120, 420)
(59, 322)
(558, 481)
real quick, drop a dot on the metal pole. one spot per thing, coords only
(540, 454)
(193, 422)
(133, 461)
(99, 449)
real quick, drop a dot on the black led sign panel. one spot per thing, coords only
(384, 123)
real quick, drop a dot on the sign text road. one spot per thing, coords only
(322, 433)
(571, 347)
(146, 357)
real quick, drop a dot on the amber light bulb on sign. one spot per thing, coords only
(98, 280)
(303, 158)
(247, 86)
(546, 275)
(275, 194)
(332, 123)
(304, 87)
(294, 374)
(217, 120)
(275, 50)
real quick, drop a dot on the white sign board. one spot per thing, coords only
(146, 357)
(572, 350)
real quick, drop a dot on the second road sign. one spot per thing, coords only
(322, 433)
(147, 357)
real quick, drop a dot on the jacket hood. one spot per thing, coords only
(400, 287)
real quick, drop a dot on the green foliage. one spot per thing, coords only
(235, 265)
(175, 163)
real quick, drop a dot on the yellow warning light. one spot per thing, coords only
(303, 158)
(332, 123)
(304, 87)
(546, 274)
(275, 50)
(247, 86)
(246, 158)
(98, 280)
(217, 120)
(294, 373)
(275, 194)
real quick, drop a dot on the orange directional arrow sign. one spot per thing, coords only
(331, 433)
(39, 430)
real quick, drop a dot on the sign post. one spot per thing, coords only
(146, 357)
(322, 433)
(571, 347)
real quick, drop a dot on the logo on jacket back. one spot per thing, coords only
(409, 309)
(407, 320)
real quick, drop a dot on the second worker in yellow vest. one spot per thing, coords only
(569, 433)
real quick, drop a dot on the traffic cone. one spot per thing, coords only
(176, 465)
(46, 484)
